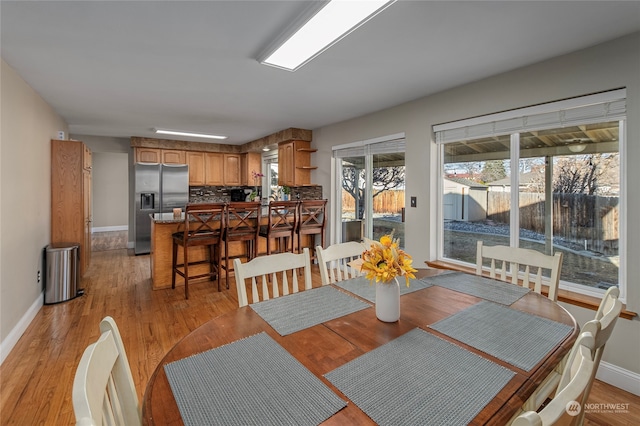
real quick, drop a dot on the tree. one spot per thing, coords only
(384, 179)
(493, 170)
(582, 174)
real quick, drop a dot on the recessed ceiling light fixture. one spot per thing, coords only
(326, 27)
(193, 135)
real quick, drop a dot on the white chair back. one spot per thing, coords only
(565, 407)
(269, 266)
(532, 260)
(333, 261)
(103, 388)
(601, 329)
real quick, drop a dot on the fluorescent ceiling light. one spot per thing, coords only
(334, 21)
(193, 135)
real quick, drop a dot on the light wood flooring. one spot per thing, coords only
(36, 378)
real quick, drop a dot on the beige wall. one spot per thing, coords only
(110, 190)
(609, 66)
(27, 124)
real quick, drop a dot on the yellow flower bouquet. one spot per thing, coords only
(385, 261)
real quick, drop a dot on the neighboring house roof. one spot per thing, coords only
(466, 182)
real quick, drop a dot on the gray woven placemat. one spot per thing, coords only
(295, 312)
(360, 286)
(513, 336)
(253, 381)
(484, 288)
(420, 379)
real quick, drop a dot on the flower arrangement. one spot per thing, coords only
(385, 261)
(257, 176)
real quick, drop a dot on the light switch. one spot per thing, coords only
(413, 202)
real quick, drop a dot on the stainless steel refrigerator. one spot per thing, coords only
(159, 188)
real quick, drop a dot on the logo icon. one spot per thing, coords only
(573, 408)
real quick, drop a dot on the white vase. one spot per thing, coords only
(388, 301)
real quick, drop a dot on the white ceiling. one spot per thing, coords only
(121, 68)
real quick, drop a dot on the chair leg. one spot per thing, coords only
(226, 261)
(211, 263)
(173, 262)
(218, 261)
(186, 272)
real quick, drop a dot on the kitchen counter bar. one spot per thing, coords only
(163, 225)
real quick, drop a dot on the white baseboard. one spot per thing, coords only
(109, 228)
(14, 335)
(619, 377)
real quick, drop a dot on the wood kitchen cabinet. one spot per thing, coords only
(147, 155)
(294, 163)
(157, 155)
(232, 168)
(71, 216)
(195, 161)
(251, 162)
(214, 168)
(172, 156)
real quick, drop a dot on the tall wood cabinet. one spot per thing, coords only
(71, 215)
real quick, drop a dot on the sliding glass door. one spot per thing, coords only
(371, 181)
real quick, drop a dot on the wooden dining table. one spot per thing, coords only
(324, 347)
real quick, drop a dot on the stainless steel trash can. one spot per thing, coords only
(61, 278)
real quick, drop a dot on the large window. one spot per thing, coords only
(551, 183)
(370, 190)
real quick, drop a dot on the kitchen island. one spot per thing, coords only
(163, 225)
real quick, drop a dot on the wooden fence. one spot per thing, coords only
(386, 202)
(578, 218)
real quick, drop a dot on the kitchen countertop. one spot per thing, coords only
(166, 218)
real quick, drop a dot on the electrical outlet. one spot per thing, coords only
(414, 201)
(39, 276)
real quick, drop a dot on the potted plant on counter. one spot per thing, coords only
(286, 192)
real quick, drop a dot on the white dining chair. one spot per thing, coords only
(268, 267)
(565, 407)
(601, 328)
(512, 259)
(334, 261)
(103, 387)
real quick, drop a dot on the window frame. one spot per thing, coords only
(462, 128)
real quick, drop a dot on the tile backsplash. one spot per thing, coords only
(221, 194)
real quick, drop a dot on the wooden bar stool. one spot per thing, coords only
(242, 224)
(312, 221)
(203, 226)
(281, 225)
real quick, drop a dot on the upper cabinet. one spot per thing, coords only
(156, 155)
(294, 163)
(251, 163)
(172, 156)
(195, 161)
(232, 167)
(147, 155)
(214, 168)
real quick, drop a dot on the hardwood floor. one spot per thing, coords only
(36, 378)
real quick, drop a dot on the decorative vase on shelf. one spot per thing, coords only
(388, 300)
